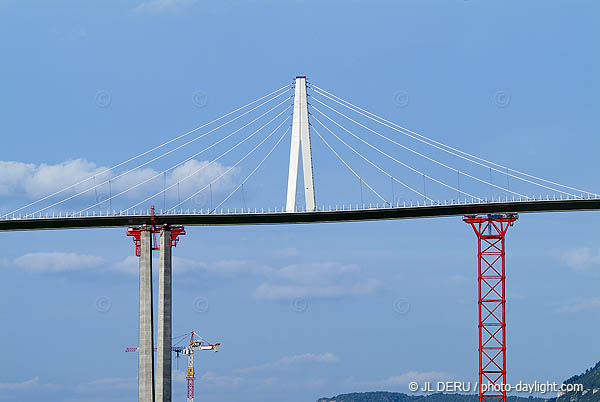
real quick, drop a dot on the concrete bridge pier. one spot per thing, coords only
(163, 351)
(142, 238)
(146, 342)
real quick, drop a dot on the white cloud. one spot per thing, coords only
(457, 280)
(130, 265)
(417, 376)
(592, 303)
(315, 383)
(30, 384)
(328, 280)
(236, 267)
(267, 291)
(12, 175)
(185, 265)
(179, 376)
(270, 381)
(287, 361)
(34, 181)
(314, 273)
(27, 384)
(94, 386)
(324, 280)
(286, 252)
(181, 265)
(57, 262)
(307, 357)
(211, 379)
(18, 178)
(113, 383)
(365, 287)
(161, 6)
(305, 274)
(581, 258)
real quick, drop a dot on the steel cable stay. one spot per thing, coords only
(449, 167)
(408, 149)
(230, 168)
(447, 148)
(348, 166)
(252, 172)
(165, 154)
(202, 151)
(398, 128)
(397, 160)
(190, 158)
(287, 87)
(377, 166)
(180, 163)
(164, 171)
(417, 171)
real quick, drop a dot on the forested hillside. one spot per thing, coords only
(400, 397)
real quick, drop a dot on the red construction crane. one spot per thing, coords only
(196, 343)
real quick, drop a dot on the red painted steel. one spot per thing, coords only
(136, 231)
(190, 376)
(190, 388)
(491, 231)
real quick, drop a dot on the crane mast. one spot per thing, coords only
(190, 375)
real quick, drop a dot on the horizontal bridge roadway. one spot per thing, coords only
(273, 218)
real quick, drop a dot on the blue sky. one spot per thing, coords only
(381, 303)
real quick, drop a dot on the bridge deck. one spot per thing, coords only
(272, 218)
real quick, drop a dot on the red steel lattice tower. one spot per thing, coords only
(490, 231)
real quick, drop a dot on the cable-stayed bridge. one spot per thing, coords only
(385, 166)
(267, 216)
(350, 165)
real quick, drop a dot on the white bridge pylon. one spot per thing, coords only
(300, 141)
